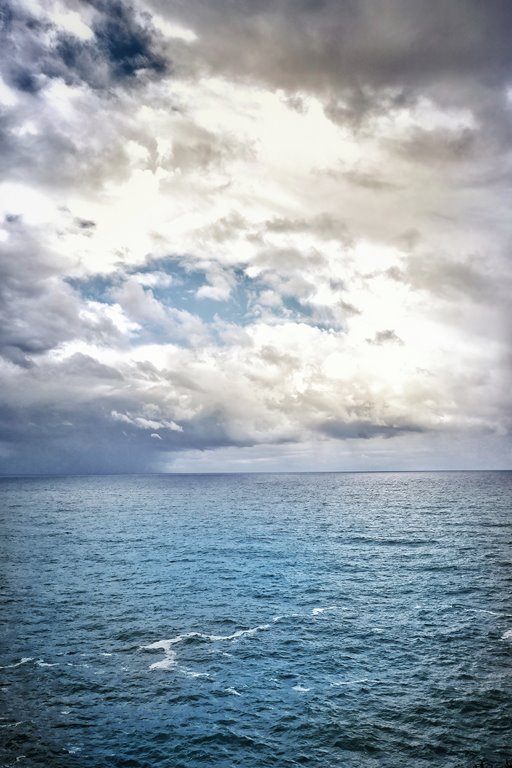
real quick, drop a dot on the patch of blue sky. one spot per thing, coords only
(94, 288)
(181, 291)
(304, 313)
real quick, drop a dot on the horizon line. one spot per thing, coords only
(13, 475)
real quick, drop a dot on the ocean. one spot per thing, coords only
(322, 620)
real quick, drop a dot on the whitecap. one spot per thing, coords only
(236, 635)
(191, 673)
(168, 662)
(41, 663)
(24, 660)
(507, 636)
(161, 645)
(300, 689)
(366, 680)
(232, 691)
(318, 611)
(170, 655)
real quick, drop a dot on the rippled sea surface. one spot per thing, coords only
(256, 620)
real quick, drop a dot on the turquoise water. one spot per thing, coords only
(256, 620)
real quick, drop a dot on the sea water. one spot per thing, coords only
(256, 620)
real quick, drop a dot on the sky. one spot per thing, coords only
(255, 236)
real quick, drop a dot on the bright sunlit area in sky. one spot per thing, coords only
(232, 244)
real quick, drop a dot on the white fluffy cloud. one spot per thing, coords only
(216, 250)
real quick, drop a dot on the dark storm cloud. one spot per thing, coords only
(77, 438)
(76, 415)
(114, 371)
(121, 44)
(303, 45)
(122, 47)
(367, 59)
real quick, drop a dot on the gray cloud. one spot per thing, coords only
(122, 47)
(437, 145)
(461, 278)
(210, 264)
(385, 337)
(38, 309)
(331, 46)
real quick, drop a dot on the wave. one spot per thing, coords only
(24, 660)
(13, 724)
(191, 673)
(362, 681)
(169, 660)
(318, 611)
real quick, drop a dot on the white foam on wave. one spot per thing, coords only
(24, 660)
(283, 616)
(160, 645)
(169, 661)
(318, 611)
(191, 673)
(232, 691)
(218, 638)
(366, 680)
(41, 663)
(507, 636)
(300, 689)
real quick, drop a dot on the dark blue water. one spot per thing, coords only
(257, 620)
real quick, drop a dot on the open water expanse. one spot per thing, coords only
(256, 620)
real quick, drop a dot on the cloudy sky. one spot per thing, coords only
(242, 235)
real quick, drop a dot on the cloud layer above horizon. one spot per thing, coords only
(255, 235)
